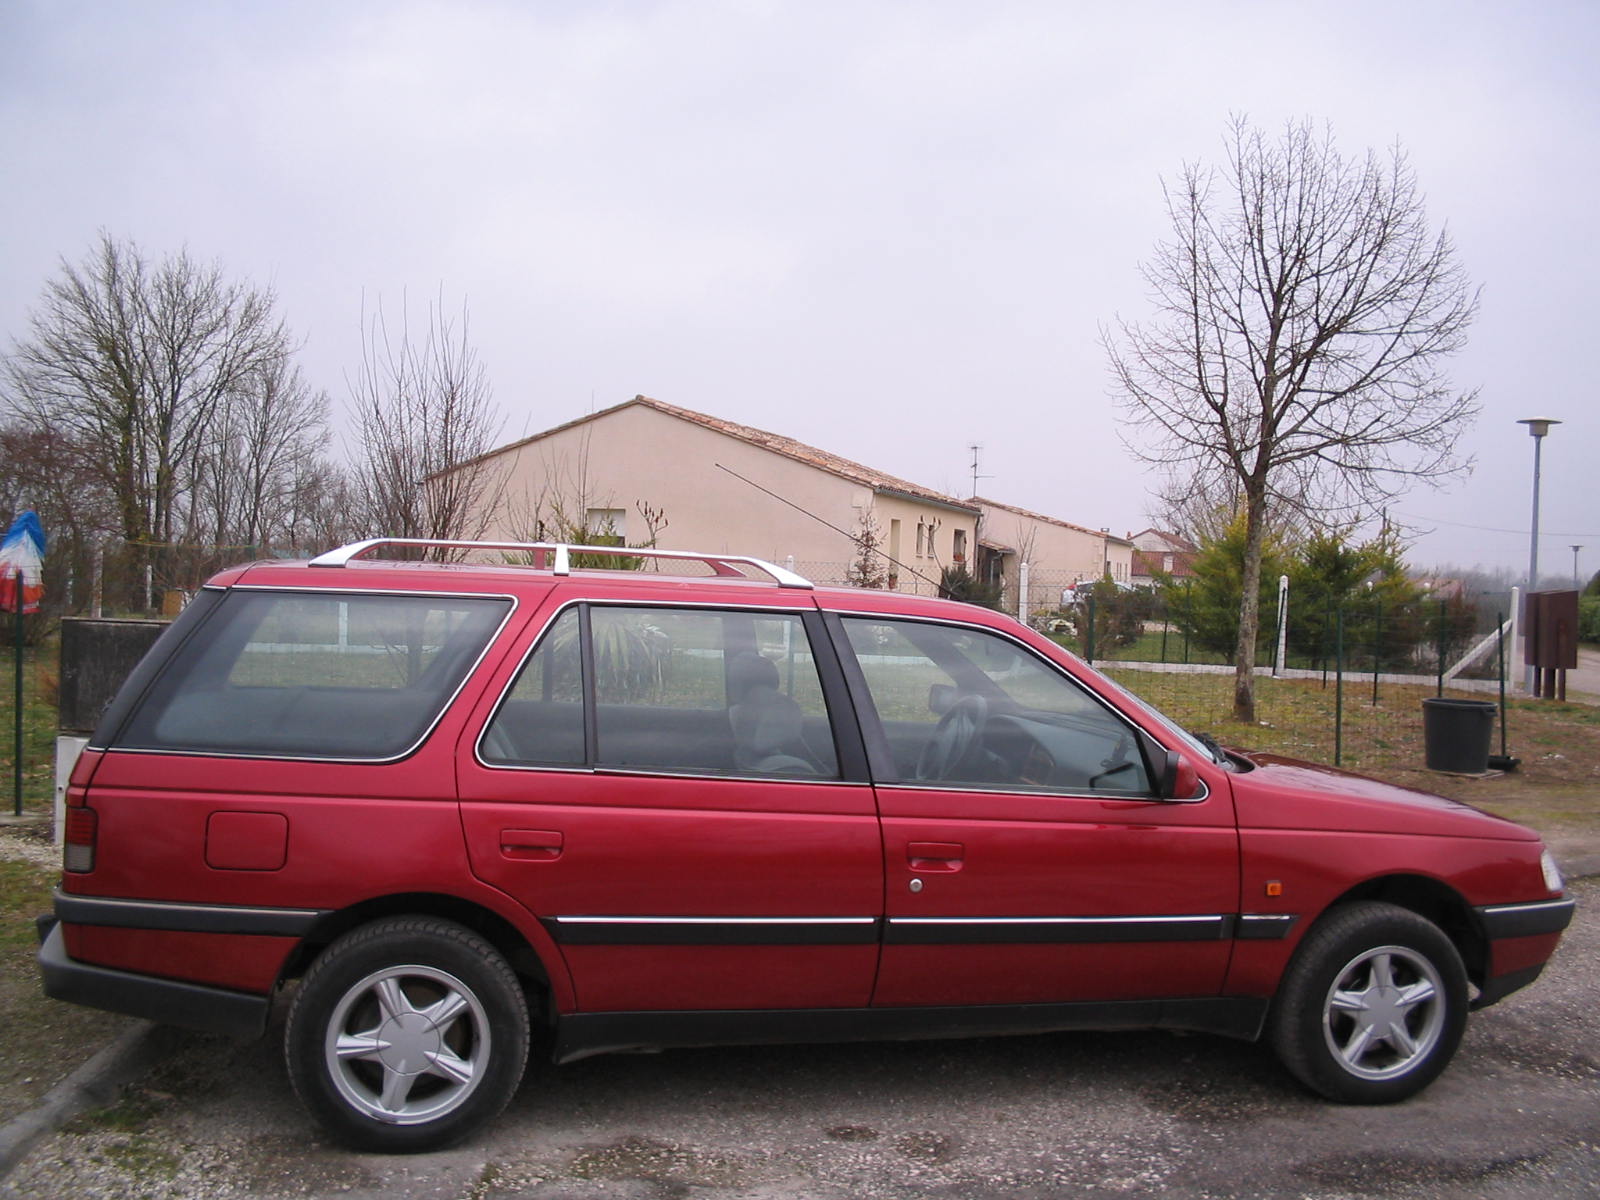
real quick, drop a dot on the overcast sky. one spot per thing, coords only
(888, 229)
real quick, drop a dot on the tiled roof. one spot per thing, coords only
(1148, 562)
(1175, 541)
(1033, 516)
(776, 443)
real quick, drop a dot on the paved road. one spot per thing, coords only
(1137, 1114)
(1586, 678)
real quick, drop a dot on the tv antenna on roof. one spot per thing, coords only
(976, 448)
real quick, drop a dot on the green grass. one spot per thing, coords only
(41, 1040)
(39, 699)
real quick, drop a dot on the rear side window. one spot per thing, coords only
(695, 691)
(315, 675)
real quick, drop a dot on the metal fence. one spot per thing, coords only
(1343, 684)
(1337, 682)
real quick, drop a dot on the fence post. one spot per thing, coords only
(1500, 655)
(16, 762)
(1089, 655)
(1283, 624)
(1377, 648)
(1188, 618)
(1442, 650)
(1022, 593)
(1338, 690)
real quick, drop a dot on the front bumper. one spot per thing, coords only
(1526, 920)
(1506, 924)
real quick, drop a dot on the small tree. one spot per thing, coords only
(1366, 586)
(1119, 614)
(869, 569)
(1304, 310)
(1207, 605)
(958, 583)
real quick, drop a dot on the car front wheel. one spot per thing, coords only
(1373, 1005)
(407, 1035)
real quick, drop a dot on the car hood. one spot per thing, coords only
(1284, 793)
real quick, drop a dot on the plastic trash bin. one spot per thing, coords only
(1455, 734)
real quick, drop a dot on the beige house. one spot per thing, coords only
(1058, 554)
(723, 487)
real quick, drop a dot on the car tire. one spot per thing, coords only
(1372, 1006)
(407, 1035)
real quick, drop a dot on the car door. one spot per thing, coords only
(1027, 858)
(661, 785)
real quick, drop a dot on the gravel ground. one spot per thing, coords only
(40, 851)
(1138, 1114)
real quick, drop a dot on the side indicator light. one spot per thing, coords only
(1274, 887)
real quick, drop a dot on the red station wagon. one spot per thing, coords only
(460, 802)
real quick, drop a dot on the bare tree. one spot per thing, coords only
(261, 445)
(568, 506)
(1295, 362)
(324, 508)
(58, 476)
(138, 360)
(426, 419)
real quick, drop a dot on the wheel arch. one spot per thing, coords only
(1435, 901)
(499, 932)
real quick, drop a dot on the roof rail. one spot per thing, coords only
(560, 555)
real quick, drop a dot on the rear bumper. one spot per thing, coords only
(168, 1001)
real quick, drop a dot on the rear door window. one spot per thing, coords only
(680, 690)
(333, 675)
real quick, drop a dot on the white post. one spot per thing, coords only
(67, 750)
(1283, 625)
(1516, 632)
(1022, 592)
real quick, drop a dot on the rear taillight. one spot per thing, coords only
(79, 835)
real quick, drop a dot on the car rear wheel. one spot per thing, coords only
(407, 1035)
(1373, 1005)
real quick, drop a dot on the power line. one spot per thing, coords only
(1543, 533)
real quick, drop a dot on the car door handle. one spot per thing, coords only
(531, 845)
(935, 856)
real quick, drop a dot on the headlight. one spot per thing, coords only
(1552, 873)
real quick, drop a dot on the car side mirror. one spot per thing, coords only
(1173, 773)
(1179, 781)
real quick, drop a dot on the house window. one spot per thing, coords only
(958, 551)
(606, 526)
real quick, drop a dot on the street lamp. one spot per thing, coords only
(1537, 428)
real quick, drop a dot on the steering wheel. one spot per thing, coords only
(954, 738)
